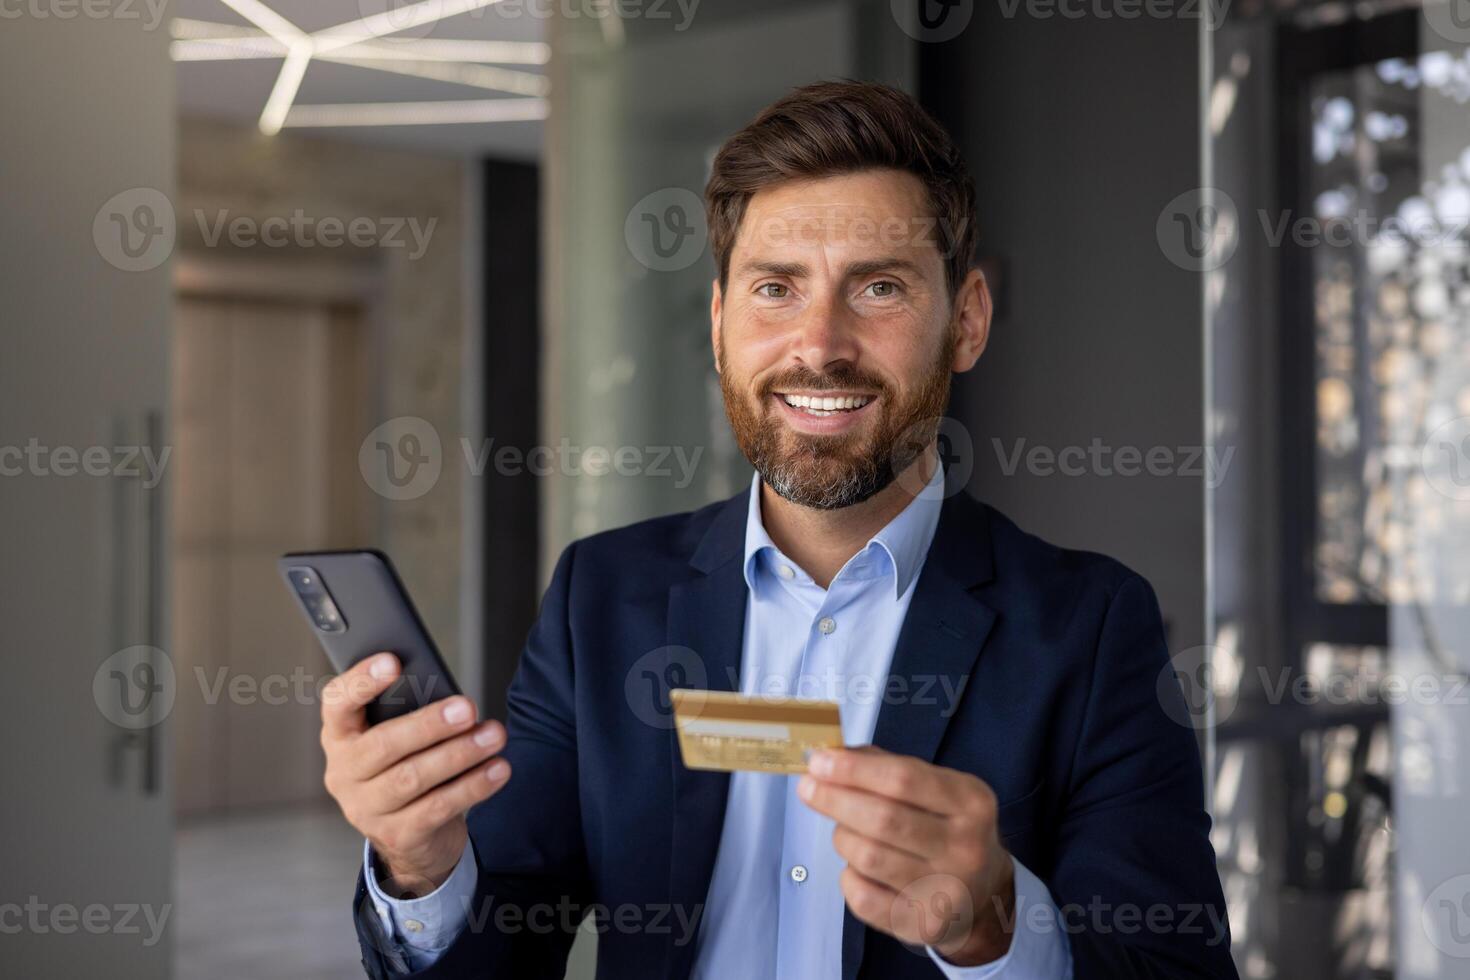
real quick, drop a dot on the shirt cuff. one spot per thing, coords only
(1039, 948)
(428, 925)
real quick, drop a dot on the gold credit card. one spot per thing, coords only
(725, 731)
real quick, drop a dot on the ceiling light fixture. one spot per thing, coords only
(418, 113)
(365, 43)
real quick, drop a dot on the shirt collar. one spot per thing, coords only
(905, 539)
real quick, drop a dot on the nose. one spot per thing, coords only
(825, 336)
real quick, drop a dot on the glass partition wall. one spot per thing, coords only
(1340, 374)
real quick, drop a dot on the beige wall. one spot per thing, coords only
(410, 295)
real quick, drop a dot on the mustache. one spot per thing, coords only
(844, 378)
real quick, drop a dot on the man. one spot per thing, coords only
(1018, 803)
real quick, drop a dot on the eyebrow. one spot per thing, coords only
(856, 270)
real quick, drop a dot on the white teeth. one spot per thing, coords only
(822, 406)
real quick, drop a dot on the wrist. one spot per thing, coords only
(990, 936)
(404, 877)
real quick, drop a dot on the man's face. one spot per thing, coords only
(834, 335)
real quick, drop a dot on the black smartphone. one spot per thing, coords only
(358, 606)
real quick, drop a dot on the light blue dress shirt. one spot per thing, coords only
(775, 906)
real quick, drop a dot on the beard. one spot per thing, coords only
(826, 472)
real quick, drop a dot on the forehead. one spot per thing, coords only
(866, 212)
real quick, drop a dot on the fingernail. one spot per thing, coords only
(805, 787)
(487, 736)
(382, 666)
(820, 764)
(456, 712)
(497, 771)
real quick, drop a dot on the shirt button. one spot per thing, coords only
(798, 873)
(413, 925)
(826, 624)
(786, 572)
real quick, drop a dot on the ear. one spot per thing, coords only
(973, 311)
(715, 303)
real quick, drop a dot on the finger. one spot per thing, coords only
(898, 777)
(410, 778)
(877, 860)
(392, 741)
(433, 810)
(911, 829)
(871, 902)
(346, 695)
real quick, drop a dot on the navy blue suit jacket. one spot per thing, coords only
(1060, 652)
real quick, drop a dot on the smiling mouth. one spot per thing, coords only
(822, 406)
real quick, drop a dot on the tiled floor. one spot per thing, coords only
(267, 897)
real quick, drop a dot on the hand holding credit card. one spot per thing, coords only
(723, 731)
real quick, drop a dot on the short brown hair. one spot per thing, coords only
(834, 128)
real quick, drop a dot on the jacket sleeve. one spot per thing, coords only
(1134, 875)
(533, 880)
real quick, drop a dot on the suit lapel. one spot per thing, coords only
(941, 637)
(706, 615)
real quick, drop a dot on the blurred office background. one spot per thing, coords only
(432, 277)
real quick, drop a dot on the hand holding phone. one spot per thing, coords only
(405, 757)
(406, 783)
